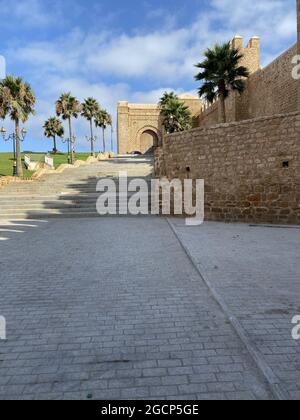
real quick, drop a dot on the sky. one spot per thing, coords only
(115, 50)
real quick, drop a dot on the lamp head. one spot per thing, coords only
(24, 132)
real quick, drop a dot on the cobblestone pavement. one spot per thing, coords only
(256, 270)
(113, 308)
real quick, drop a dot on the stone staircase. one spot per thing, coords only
(68, 194)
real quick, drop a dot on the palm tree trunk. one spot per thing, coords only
(18, 150)
(222, 106)
(111, 139)
(222, 109)
(92, 139)
(104, 146)
(54, 145)
(71, 150)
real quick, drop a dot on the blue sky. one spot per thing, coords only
(134, 50)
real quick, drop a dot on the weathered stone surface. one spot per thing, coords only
(140, 125)
(269, 91)
(251, 168)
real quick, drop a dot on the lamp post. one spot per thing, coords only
(71, 142)
(92, 140)
(13, 137)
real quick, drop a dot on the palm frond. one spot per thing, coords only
(221, 72)
(17, 99)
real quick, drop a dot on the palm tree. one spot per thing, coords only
(102, 120)
(52, 128)
(90, 108)
(68, 107)
(109, 122)
(167, 97)
(176, 116)
(220, 74)
(5, 98)
(18, 101)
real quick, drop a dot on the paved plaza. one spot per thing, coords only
(113, 308)
(255, 271)
(106, 295)
(143, 307)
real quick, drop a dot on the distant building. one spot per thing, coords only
(140, 126)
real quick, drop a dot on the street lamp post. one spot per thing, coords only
(92, 140)
(13, 137)
(71, 142)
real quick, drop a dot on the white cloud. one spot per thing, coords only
(28, 13)
(151, 59)
(165, 55)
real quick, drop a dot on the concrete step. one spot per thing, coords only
(50, 215)
(53, 205)
(72, 182)
(51, 190)
(60, 196)
(46, 205)
(70, 194)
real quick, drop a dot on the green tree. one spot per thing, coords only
(103, 120)
(221, 73)
(5, 98)
(110, 124)
(167, 97)
(69, 107)
(17, 101)
(176, 116)
(90, 108)
(53, 128)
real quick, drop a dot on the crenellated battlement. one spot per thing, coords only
(251, 52)
(251, 60)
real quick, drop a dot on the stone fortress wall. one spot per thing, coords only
(251, 60)
(251, 165)
(269, 91)
(251, 168)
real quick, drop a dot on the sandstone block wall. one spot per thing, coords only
(269, 91)
(140, 125)
(133, 121)
(251, 168)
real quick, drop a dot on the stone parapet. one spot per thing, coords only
(251, 168)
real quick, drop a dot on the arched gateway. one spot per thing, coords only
(148, 139)
(140, 127)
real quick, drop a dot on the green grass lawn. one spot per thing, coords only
(6, 161)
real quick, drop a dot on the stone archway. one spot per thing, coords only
(148, 139)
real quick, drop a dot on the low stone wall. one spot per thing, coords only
(251, 168)
(159, 164)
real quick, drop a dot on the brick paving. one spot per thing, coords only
(256, 270)
(113, 308)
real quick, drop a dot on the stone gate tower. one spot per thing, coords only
(140, 125)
